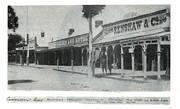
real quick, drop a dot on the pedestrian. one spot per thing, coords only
(103, 62)
(110, 61)
(110, 66)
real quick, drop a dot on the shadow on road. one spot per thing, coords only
(105, 75)
(116, 76)
(73, 72)
(113, 76)
(19, 81)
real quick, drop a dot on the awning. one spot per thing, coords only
(146, 34)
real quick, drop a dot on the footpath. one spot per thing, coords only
(83, 70)
(49, 77)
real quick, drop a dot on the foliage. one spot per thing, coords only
(12, 19)
(13, 40)
(92, 10)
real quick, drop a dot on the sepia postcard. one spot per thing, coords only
(89, 48)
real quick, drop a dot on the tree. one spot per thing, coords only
(13, 40)
(12, 19)
(89, 11)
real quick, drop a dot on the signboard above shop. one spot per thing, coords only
(72, 41)
(141, 23)
(32, 45)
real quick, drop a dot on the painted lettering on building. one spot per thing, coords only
(131, 26)
(138, 24)
(80, 39)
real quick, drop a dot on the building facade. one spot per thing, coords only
(70, 51)
(138, 45)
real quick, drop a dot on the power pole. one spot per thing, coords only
(35, 45)
(27, 56)
(72, 58)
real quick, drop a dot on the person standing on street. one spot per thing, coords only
(110, 62)
(109, 66)
(103, 62)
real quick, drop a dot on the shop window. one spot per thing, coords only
(138, 57)
(117, 51)
(127, 58)
(151, 57)
(165, 57)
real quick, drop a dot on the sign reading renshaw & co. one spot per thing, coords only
(139, 24)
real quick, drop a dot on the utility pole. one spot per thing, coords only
(72, 58)
(27, 56)
(35, 47)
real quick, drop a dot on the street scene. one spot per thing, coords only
(48, 78)
(89, 48)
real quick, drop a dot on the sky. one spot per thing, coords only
(55, 21)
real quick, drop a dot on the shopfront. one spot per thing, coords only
(70, 51)
(140, 45)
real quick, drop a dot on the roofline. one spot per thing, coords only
(68, 37)
(137, 17)
(139, 37)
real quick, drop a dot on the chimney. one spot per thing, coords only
(71, 31)
(98, 23)
(42, 34)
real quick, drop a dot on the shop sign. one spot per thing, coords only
(51, 45)
(138, 25)
(69, 41)
(20, 48)
(131, 50)
(61, 43)
(31, 45)
(81, 39)
(145, 23)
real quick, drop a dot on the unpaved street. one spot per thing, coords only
(43, 78)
